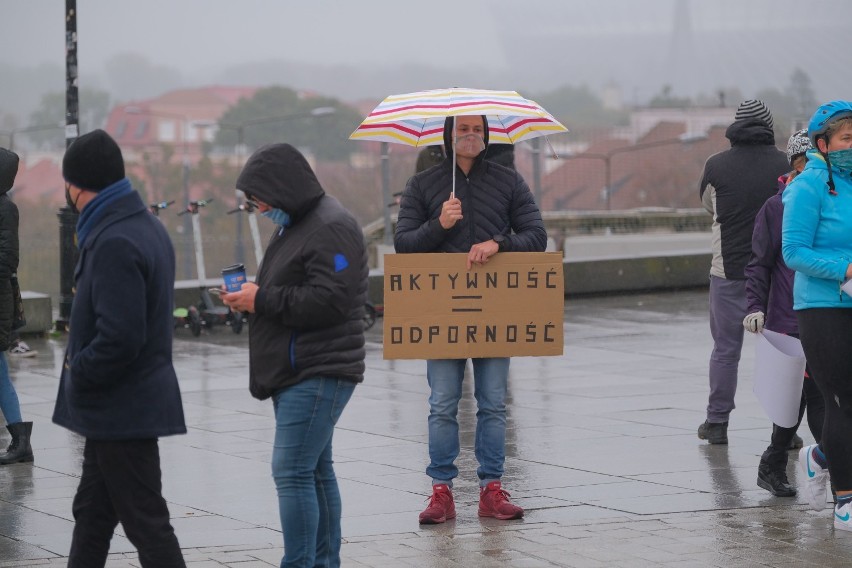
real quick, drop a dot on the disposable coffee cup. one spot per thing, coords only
(234, 276)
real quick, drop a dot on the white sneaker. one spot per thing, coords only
(21, 349)
(813, 480)
(841, 517)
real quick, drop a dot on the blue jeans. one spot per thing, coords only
(9, 405)
(490, 384)
(308, 498)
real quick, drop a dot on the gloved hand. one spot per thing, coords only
(754, 322)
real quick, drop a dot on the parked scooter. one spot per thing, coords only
(250, 207)
(184, 317)
(210, 314)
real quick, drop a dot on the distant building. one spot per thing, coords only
(661, 169)
(696, 121)
(184, 118)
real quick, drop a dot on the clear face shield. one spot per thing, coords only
(469, 144)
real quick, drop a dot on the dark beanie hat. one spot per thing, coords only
(93, 161)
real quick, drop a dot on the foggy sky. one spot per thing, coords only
(523, 45)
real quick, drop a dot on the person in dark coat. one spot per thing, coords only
(306, 341)
(489, 210)
(118, 387)
(20, 449)
(428, 157)
(734, 186)
(769, 292)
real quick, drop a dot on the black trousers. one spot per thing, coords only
(121, 482)
(826, 335)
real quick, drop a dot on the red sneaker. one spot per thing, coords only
(441, 506)
(494, 502)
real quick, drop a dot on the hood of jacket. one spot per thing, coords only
(750, 132)
(8, 169)
(448, 138)
(280, 176)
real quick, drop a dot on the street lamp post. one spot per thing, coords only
(67, 218)
(536, 167)
(240, 129)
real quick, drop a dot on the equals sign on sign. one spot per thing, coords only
(462, 300)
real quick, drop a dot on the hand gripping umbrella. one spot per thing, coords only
(417, 119)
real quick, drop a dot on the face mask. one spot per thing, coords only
(470, 144)
(841, 159)
(72, 205)
(278, 217)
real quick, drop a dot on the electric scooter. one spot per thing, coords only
(184, 317)
(250, 207)
(210, 314)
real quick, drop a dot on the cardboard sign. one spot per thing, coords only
(435, 308)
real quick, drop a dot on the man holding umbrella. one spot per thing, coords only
(486, 209)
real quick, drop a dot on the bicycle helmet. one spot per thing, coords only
(824, 116)
(798, 144)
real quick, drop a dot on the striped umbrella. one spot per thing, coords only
(417, 119)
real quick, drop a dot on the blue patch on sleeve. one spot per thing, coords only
(340, 262)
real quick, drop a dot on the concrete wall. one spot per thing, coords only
(38, 311)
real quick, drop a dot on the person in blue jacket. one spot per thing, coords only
(118, 388)
(817, 244)
(769, 292)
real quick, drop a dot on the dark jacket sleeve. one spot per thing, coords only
(416, 229)
(332, 278)
(8, 238)
(529, 232)
(758, 271)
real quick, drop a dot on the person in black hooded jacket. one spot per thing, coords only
(19, 449)
(306, 340)
(490, 209)
(734, 186)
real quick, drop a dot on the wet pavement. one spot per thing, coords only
(601, 444)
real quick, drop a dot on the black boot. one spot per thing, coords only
(19, 450)
(796, 443)
(714, 432)
(774, 480)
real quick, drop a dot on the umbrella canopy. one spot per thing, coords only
(417, 119)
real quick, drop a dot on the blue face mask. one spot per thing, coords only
(841, 159)
(278, 217)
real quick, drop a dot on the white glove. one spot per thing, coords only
(754, 322)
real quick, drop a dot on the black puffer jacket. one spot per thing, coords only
(495, 200)
(312, 283)
(9, 250)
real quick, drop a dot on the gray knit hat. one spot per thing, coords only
(754, 109)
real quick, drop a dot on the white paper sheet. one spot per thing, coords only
(779, 369)
(847, 287)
